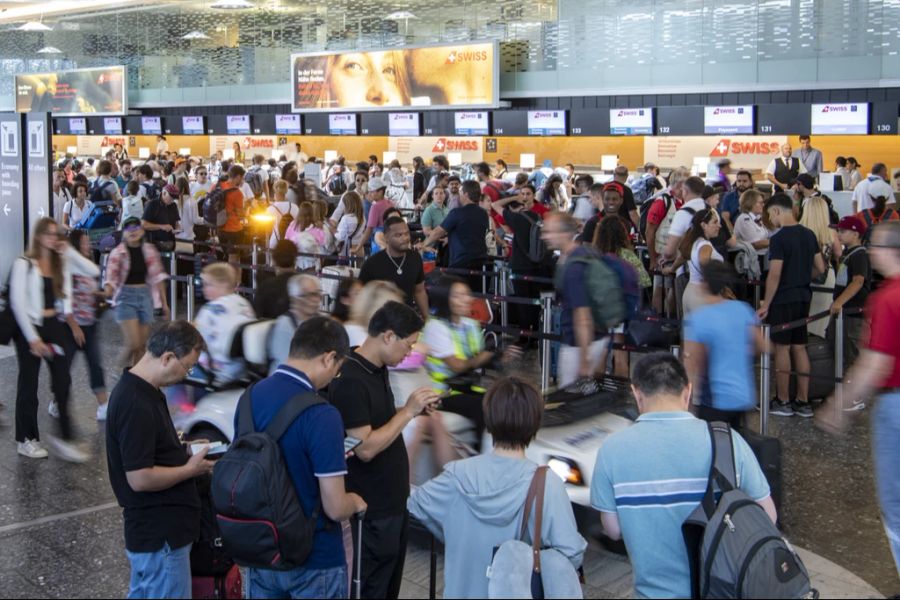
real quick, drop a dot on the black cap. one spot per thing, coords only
(806, 180)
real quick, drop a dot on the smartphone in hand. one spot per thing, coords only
(350, 444)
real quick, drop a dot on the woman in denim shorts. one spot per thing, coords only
(134, 280)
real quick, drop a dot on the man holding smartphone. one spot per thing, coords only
(379, 469)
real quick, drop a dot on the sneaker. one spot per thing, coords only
(67, 451)
(101, 411)
(31, 449)
(802, 409)
(781, 409)
(53, 409)
(856, 406)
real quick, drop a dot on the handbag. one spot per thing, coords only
(648, 330)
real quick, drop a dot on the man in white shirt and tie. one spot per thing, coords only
(782, 171)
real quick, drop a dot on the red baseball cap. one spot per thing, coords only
(851, 223)
(614, 186)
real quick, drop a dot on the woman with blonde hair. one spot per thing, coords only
(40, 296)
(816, 218)
(370, 298)
(352, 226)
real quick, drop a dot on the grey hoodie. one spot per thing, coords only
(476, 504)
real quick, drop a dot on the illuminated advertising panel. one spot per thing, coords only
(100, 91)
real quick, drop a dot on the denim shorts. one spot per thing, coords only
(134, 303)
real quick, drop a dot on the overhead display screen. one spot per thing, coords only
(728, 119)
(342, 124)
(151, 125)
(403, 124)
(82, 91)
(546, 122)
(840, 119)
(471, 123)
(287, 124)
(237, 124)
(434, 76)
(192, 125)
(112, 126)
(78, 126)
(631, 121)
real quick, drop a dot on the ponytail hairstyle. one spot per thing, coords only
(703, 217)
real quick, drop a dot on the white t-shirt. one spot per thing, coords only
(162, 146)
(301, 158)
(276, 209)
(59, 203)
(694, 265)
(681, 222)
(774, 164)
(217, 322)
(198, 190)
(247, 191)
(871, 187)
(190, 216)
(75, 213)
(349, 226)
(356, 333)
(749, 228)
(584, 208)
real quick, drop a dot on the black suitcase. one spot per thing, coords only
(768, 453)
(821, 369)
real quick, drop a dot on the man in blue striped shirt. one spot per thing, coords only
(650, 477)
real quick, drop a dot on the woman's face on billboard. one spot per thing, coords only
(367, 79)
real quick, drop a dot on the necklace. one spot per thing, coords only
(400, 266)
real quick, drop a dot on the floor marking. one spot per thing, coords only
(58, 517)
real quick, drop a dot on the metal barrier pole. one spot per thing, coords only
(189, 300)
(254, 260)
(839, 359)
(173, 285)
(547, 329)
(765, 382)
(503, 288)
(484, 279)
(757, 295)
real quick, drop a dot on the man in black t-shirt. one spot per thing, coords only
(161, 219)
(794, 260)
(851, 285)
(379, 469)
(620, 176)
(271, 299)
(609, 197)
(150, 471)
(399, 264)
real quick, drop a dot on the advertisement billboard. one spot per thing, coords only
(78, 126)
(192, 125)
(728, 120)
(287, 124)
(840, 119)
(403, 124)
(471, 123)
(237, 124)
(342, 124)
(631, 121)
(112, 126)
(459, 75)
(98, 91)
(151, 125)
(546, 122)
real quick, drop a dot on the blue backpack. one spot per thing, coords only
(644, 188)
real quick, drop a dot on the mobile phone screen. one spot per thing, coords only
(350, 444)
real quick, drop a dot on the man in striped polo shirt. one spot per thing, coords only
(650, 477)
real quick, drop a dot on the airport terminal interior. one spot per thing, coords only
(487, 298)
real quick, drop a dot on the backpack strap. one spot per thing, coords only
(245, 414)
(289, 413)
(721, 471)
(535, 499)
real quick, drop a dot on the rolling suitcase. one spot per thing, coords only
(228, 585)
(821, 369)
(768, 453)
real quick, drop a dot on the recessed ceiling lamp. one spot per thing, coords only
(49, 50)
(195, 35)
(34, 26)
(232, 4)
(397, 16)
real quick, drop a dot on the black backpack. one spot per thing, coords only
(871, 221)
(256, 181)
(336, 185)
(261, 521)
(537, 249)
(284, 221)
(98, 192)
(151, 192)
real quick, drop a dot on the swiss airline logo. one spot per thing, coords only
(112, 141)
(463, 56)
(726, 147)
(729, 111)
(832, 108)
(444, 145)
(467, 116)
(631, 113)
(546, 115)
(402, 117)
(257, 143)
(341, 118)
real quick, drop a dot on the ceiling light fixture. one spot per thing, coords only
(34, 26)
(195, 35)
(402, 15)
(49, 50)
(232, 4)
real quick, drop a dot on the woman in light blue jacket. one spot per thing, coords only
(476, 504)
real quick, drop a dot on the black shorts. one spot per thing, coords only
(785, 313)
(229, 239)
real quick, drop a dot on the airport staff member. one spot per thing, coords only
(810, 157)
(782, 171)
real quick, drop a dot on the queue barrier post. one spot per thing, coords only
(254, 261)
(173, 285)
(189, 299)
(839, 360)
(502, 290)
(547, 329)
(757, 295)
(765, 381)
(484, 288)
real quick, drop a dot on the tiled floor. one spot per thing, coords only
(61, 535)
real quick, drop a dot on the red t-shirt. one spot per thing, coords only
(234, 208)
(540, 209)
(883, 312)
(658, 210)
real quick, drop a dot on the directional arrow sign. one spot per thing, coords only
(6, 209)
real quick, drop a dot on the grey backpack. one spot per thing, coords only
(735, 550)
(537, 249)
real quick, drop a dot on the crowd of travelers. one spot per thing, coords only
(613, 251)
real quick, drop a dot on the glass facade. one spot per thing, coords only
(548, 47)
